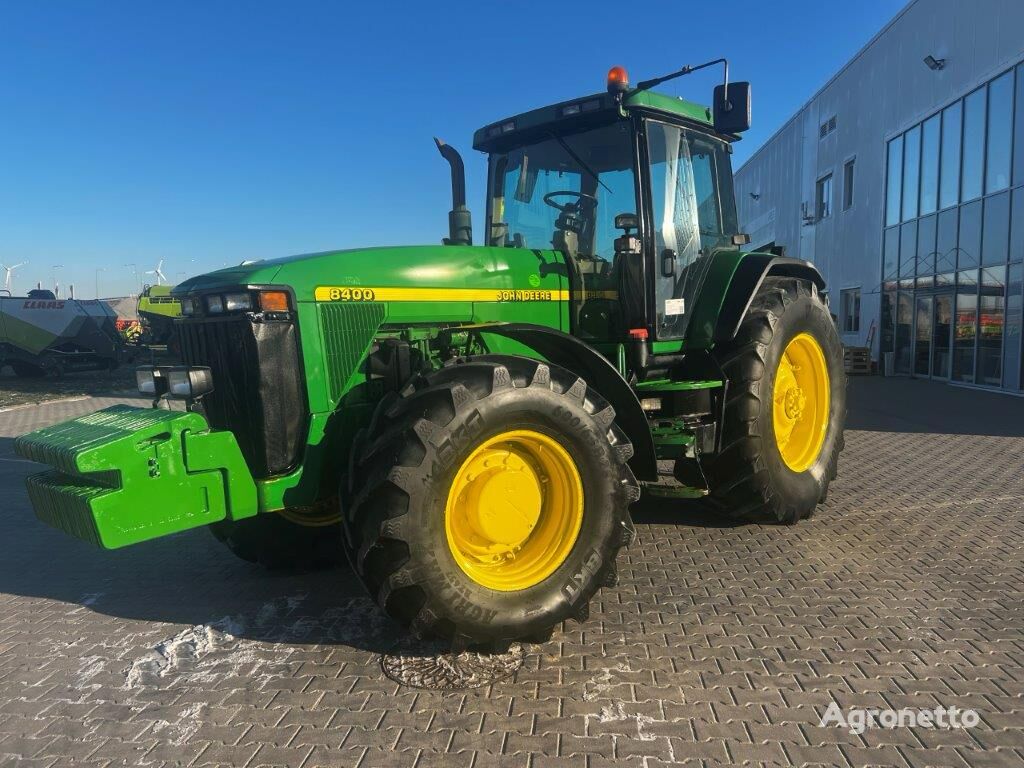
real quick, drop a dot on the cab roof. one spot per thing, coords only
(582, 113)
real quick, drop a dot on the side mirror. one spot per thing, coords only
(732, 115)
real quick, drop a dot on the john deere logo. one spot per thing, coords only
(534, 281)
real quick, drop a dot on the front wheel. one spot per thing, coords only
(785, 409)
(492, 503)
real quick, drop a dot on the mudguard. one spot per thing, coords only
(751, 271)
(576, 356)
(124, 475)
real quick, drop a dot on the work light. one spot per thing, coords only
(187, 382)
(150, 380)
(214, 305)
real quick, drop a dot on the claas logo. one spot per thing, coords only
(43, 304)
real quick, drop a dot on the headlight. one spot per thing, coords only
(150, 381)
(188, 307)
(188, 382)
(235, 302)
(214, 305)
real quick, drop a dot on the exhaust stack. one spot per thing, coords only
(460, 221)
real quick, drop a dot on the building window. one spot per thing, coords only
(891, 255)
(1014, 321)
(911, 171)
(849, 307)
(995, 230)
(1000, 122)
(966, 325)
(974, 145)
(949, 183)
(991, 317)
(848, 185)
(908, 249)
(1017, 224)
(968, 252)
(823, 198)
(945, 241)
(904, 332)
(926, 245)
(1018, 128)
(893, 181)
(930, 165)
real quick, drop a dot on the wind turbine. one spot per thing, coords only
(160, 276)
(7, 274)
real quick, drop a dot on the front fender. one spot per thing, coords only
(576, 356)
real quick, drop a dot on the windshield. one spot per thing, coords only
(693, 213)
(590, 171)
(564, 192)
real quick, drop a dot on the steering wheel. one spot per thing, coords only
(581, 199)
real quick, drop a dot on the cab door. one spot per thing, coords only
(692, 214)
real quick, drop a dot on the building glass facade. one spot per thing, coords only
(953, 241)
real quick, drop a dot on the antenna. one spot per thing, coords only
(7, 274)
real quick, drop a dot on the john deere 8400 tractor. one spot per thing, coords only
(468, 425)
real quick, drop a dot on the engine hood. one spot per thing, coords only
(421, 266)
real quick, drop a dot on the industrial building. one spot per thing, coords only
(902, 179)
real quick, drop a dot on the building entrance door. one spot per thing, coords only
(942, 335)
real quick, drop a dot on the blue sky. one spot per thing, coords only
(208, 133)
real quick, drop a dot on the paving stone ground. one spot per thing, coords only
(722, 645)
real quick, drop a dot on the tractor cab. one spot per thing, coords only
(632, 187)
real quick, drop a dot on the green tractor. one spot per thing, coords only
(468, 425)
(157, 309)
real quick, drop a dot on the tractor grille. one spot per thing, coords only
(348, 329)
(258, 393)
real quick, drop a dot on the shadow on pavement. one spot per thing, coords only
(878, 404)
(652, 510)
(188, 578)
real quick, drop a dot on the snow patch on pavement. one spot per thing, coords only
(188, 647)
(204, 652)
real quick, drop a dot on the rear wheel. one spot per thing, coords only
(292, 539)
(492, 502)
(786, 407)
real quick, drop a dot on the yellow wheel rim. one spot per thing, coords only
(800, 403)
(514, 510)
(319, 515)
